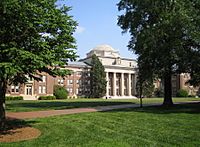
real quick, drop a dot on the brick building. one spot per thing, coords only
(121, 76)
(77, 84)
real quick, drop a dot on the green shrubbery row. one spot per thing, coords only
(182, 93)
(47, 98)
(8, 98)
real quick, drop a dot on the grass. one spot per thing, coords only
(149, 126)
(20, 106)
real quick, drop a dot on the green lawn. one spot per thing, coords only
(19, 106)
(135, 127)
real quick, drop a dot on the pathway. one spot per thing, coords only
(47, 113)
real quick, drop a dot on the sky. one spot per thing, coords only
(97, 25)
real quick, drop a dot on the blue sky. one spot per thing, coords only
(97, 21)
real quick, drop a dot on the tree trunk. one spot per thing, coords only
(167, 90)
(141, 104)
(3, 86)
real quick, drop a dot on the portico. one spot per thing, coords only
(120, 84)
(120, 72)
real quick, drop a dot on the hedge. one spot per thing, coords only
(182, 93)
(47, 98)
(9, 98)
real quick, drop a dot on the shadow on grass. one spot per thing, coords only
(42, 105)
(13, 124)
(190, 108)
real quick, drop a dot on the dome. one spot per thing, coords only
(104, 47)
(104, 51)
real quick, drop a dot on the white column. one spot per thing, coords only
(114, 84)
(129, 84)
(107, 85)
(122, 84)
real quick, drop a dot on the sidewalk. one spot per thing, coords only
(47, 113)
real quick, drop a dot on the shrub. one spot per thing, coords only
(182, 93)
(8, 98)
(60, 92)
(47, 98)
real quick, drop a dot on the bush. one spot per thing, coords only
(9, 98)
(182, 93)
(47, 98)
(60, 92)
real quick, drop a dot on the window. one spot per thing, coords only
(14, 89)
(60, 81)
(77, 91)
(70, 90)
(42, 89)
(69, 82)
(77, 81)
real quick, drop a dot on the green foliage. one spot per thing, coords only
(47, 98)
(60, 92)
(147, 88)
(8, 98)
(35, 36)
(98, 78)
(165, 36)
(182, 93)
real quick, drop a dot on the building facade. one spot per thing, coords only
(121, 77)
(120, 72)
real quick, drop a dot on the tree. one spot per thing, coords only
(165, 35)
(35, 36)
(98, 78)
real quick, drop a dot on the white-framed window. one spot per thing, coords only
(60, 81)
(17, 89)
(77, 91)
(42, 89)
(69, 82)
(70, 90)
(14, 89)
(77, 82)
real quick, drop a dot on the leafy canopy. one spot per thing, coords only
(35, 36)
(165, 34)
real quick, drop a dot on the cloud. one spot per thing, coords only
(79, 30)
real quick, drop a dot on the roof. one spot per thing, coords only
(79, 64)
(104, 47)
